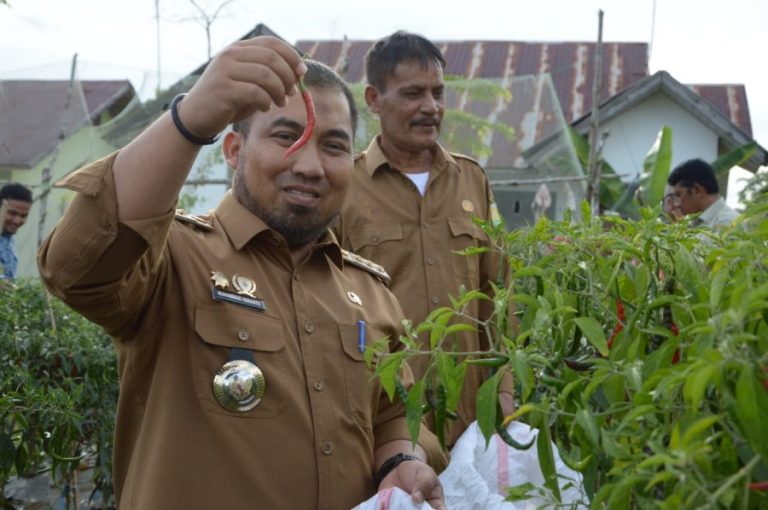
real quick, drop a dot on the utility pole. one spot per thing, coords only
(593, 187)
(158, 87)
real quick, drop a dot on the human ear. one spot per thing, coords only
(372, 98)
(233, 144)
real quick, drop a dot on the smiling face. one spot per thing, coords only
(16, 212)
(410, 106)
(296, 196)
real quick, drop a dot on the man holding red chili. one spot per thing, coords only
(411, 203)
(241, 380)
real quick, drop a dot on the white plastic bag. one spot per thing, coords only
(392, 499)
(477, 478)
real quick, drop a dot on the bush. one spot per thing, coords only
(58, 390)
(639, 347)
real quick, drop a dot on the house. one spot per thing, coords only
(551, 88)
(53, 127)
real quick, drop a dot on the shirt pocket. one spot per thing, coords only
(223, 328)
(465, 234)
(373, 241)
(363, 390)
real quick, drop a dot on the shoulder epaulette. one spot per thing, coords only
(457, 155)
(365, 264)
(194, 220)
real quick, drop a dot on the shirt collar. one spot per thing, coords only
(711, 212)
(241, 226)
(375, 158)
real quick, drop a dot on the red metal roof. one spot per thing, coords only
(32, 114)
(569, 64)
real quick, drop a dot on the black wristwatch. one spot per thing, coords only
(390, 464)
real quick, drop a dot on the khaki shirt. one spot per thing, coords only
(309, 444)
(385, 219)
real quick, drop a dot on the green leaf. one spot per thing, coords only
(547, 458)
(656, 167)
(487, 399)
(697, 428)
(750, 395)
(588, 424)
(413, 409)
(524, 374)
(519, 492)
(732, 158)
(594, 333)
(387, 370)
(696, 383)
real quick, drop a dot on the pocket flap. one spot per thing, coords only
(224, 325)
(374, 234)
(464, 226)
(350, 340)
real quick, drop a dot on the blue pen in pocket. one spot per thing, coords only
(361, 335)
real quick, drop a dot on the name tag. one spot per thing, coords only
(238, 299)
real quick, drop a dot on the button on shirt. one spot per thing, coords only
(386, 219)
(8, 259)
(148, 283)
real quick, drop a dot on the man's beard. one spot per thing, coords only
(299, 225)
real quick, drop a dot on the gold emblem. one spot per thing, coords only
(239, 386)
(467, 205)
(354, 298)
(219, 280)
(244, 285)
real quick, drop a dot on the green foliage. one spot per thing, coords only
(58, 390)
(660, 401)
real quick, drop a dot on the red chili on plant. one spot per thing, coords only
(759, 486)
(619, 325)
(309, 104)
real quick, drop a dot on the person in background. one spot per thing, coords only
(696, 191)
(15, 203)
(411, 204)
(670, 204)
(240, 334)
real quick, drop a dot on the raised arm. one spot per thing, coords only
(244, 77)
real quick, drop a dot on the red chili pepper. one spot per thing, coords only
(620, 324)
(307, 134)
(675, 331)
(759, 486)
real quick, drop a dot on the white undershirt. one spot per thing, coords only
(420, 181)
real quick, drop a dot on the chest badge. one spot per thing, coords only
(239, 386)
(354, 298)
(467, 205)
(244, 291)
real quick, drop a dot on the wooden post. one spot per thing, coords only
(593, 187)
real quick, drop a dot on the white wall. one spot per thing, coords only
(633, 133)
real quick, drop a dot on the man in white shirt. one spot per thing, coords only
(696, 190)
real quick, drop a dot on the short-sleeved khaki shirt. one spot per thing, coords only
(386, 219)
(309, 443)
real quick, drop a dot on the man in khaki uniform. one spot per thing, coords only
(411, 202)
(240, 335)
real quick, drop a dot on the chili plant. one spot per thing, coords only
(58, 391)
(640, 348)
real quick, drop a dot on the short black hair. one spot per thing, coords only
(401, 46)
(320, 76)
(16, 191)
(695, 171)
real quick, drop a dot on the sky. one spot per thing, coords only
(695, 41)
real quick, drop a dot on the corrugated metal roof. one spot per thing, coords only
(569, 63)
(32, 114)
(730, 100)
(531, 113)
